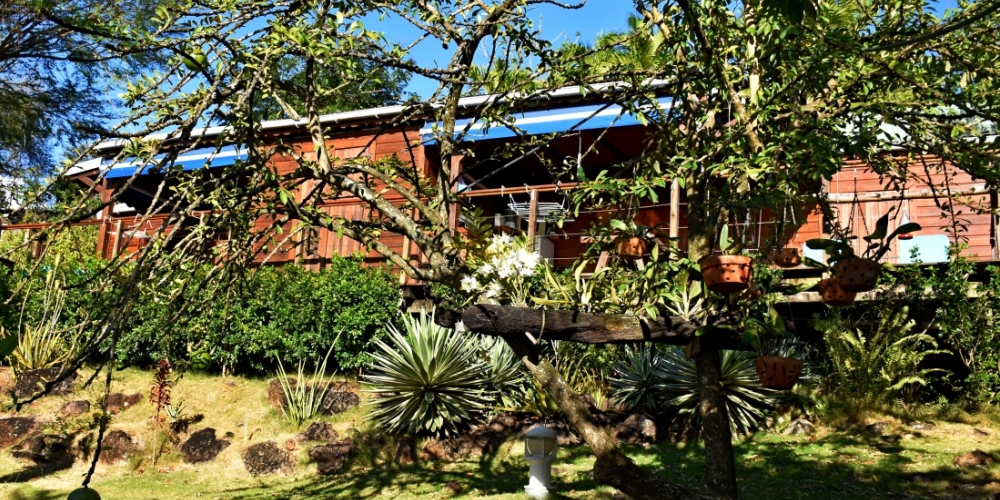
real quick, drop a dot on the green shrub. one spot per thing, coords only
(287, 311)
(437, 379)
(867, 371)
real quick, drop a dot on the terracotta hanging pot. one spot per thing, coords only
(631, 247)
(833, 294)
(856, 274)
(726, 273)
(786, 257)
(776, 372)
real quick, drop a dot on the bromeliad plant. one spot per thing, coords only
(859, 273)
(436, 381)
(47, 343)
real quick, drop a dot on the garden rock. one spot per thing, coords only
(318, 431)
(203, 446)
(341, 396)
(338, 402)
(267, 458)
(116, 447)
(406, 450)
(438, 450)
(74, 408)
(14, 429)
(119, 402)
(798, 427)
(637, 429)
(330, 458)
(974, 458)
(979, 433)
(922, 426)
(43, 449)
(32, 381)
(877, 427)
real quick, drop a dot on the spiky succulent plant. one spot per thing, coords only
(639, 377)
(747, 402)
(435, 377)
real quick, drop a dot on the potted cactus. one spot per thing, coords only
(859, 273)
(729, 272)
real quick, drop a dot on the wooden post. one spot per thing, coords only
(116, 247)
(456, 173)
(532, 219)
(102, 235)
(993, 224)
(675, 208)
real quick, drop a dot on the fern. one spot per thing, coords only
(870, 370)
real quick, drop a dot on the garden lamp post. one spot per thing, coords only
(540, 451)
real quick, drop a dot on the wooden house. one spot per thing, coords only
(523, 196)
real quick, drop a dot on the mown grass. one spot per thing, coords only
(898, 462)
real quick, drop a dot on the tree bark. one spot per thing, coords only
(720, 468)
(588, 328)
(612, 467)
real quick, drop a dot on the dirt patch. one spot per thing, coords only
(341, 397)
(14, 429)
(330, 458)
(74, 408)
(318, 431)
(116, 447)
(974, 458)
(43, 449)
(203, 446)
(118, 402)
(32, 381)
(267, 458)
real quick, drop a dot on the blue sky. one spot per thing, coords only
(556, 24)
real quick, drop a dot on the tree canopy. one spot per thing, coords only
(767, 101)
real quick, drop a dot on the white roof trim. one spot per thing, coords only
(392, 111)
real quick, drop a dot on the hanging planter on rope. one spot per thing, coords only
(859, 273)
(777, 372)
(726, 273)
(631, 247)
(786, 257)
(833, 294)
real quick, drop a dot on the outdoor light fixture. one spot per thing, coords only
(903, 220)
(540, 451)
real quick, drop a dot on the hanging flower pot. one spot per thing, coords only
(726, 273)
(776, 372)
(833, 294)
(786, 257)
(631, 247)
(856, 274)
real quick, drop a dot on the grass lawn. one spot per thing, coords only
(836, 465)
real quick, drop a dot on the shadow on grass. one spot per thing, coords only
(35, 471)
(490, 475)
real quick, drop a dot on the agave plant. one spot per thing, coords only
(504, 370)
(747, 402)
(437, 381)
(639, 378)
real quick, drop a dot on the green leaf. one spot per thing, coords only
(881, 228)
(617, 224)
(820, 244)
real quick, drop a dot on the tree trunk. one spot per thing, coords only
(720, 467)
(612, 467)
